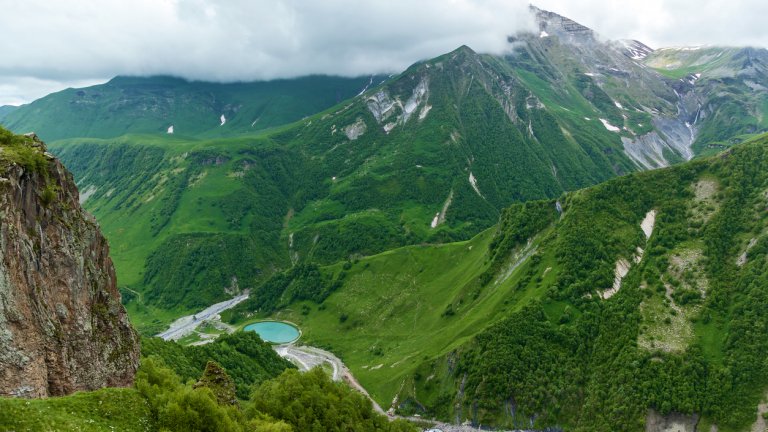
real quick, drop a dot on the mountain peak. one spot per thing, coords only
(551, 23)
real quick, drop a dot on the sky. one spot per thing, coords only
(47, 45)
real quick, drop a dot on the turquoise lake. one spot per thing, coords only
(274, 331)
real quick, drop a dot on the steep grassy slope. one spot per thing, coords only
(432, 156)
(647, 293)
(154, 104)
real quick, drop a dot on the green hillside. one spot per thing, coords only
(527, 322)
(153, 104)
(5, 110)
(433, 155)
(175, 392)
(443, 144)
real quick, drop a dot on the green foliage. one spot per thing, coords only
(518, 224)
(302, 282)
(23, 151)
(216, 379)
(96, 411)
(192, 270)
(248, 359)
(307, 193)
(152, 104)
(178, 407)
(582, 362)
(312, 402)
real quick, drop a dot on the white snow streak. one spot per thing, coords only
(609, 126)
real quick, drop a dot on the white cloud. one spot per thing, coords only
(17, 90)
(66, 41)
(661, 23)
(229, 40)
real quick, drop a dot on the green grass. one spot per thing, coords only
(395, 305)
(107, 409)
(152, 104)
(158, 193)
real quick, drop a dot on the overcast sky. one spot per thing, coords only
(48, 45)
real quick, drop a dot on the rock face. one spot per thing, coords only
(673, 422)
(62, 326)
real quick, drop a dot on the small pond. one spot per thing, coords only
(274, 331)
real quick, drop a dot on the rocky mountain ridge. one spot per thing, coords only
(62, 326)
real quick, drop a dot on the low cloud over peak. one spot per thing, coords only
(50, 45)
(232, 40)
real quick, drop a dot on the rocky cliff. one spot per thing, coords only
(62, 326)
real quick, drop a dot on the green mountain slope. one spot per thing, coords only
(193, 108)
(187, 389)
(5, 110)
(432, 155)
(645, 297)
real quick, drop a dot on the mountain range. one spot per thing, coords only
(441, 231)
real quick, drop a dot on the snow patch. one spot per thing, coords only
(622, 265)
(473, 182)
(543, 34)
(424, 112)
(170, 129)
(435, 220)
(609, 126)
(380, 105)
(648, 223)
(419, 95)
(366, 86)
(440, 216)
(223, 120)
(618, 105)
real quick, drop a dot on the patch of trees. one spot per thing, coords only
(249, 360)
(291, 402)
(587, 372)
(301, 282)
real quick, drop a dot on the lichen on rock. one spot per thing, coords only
(62, 326)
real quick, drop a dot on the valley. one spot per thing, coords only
(569, 234)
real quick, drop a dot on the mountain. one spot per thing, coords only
(724, 91)
(635, 303)
(432, 155)
(172, 105)
(62, 324)
(5, 110)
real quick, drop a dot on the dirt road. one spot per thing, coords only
(186, 325)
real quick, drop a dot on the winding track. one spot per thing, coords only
(187, 324)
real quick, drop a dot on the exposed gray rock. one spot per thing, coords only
(62, 326)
